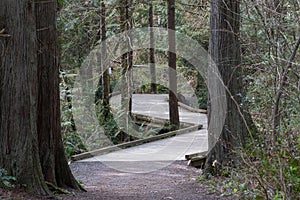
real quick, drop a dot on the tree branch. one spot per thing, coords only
(276, 119)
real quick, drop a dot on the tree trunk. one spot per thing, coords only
(52, 156)
(19, 95)
(152, 50)
(126, 102)
(31, 144)
(128, 14)
(173, 102)
(225, 51)
(104, 70)
(124, 64)
(47, 66)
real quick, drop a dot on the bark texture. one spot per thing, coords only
(152, 49)
(31, 147)
(104, 70)
(173, 102)
(225, 52)
(19, 94)
(54, 164)
(126, 90)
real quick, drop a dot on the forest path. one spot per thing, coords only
(161, 152)
(152, 171)
(177, 181)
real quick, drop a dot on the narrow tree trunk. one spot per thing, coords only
(19, 152)
(105, 74)
(128, 11)
(225, 51)
(152, 49)
(124, 80)
(276, 109)
(126, 102)
(173, 102)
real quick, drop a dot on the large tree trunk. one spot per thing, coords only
(30, 143)
(173, 102)
(54, 164)
(19, 94)
(225, 51)
(47, 102)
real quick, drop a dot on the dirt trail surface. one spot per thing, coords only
(174, 182)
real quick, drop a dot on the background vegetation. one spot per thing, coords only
(269, 32)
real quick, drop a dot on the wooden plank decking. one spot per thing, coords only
(169, 149)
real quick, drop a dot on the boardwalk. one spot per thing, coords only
(159, 153)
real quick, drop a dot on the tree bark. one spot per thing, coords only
(52, 155)
(128, 16)
(126, 102)
(225, 51)
(173, 102)
(104, 70)
(47, 66)
(31, 143)
(19, 95)
(124, 64)
(152, 49)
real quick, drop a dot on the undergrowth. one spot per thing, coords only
(6, 181)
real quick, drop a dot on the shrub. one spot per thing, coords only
(6, 180)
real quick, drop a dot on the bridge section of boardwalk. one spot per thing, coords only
(165, 150)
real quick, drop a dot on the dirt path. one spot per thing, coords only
(175, 182)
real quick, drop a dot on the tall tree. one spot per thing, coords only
(173, 102)
(51, 151)
(152, 49)
(104, 70)
(19, 95)
(225, 52)
(128, 16)
(126, 101)
(31, 147)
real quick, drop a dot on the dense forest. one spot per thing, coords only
(64, 62)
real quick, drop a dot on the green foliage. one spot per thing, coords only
(267, 35)
(197, 82)
(111, 128)
(79, 24)
(275, 168)
(78, 34)
(202, 94)
(276, 171)
(6, 180)
(61, 4)
(73, 144)
(72, 140)
(160, 89)
(271, 169)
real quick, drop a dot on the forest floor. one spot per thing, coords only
(174, 182)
